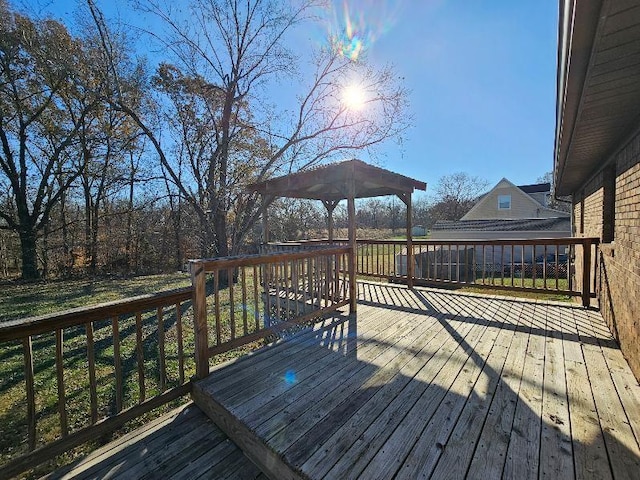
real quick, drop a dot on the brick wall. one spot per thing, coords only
(618, 276)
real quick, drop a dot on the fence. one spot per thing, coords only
(296, 287)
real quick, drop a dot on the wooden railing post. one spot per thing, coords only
(198, 282)
(410, 262)
(586, 272)
(353, 288)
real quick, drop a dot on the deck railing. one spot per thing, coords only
(545, 265)
(87, 371)
(296, 287)
(78, 375)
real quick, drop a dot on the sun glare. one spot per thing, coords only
(354, 97)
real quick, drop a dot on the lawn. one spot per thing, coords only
(32, 299)
(235, 313)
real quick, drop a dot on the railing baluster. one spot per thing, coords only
(522, 272)
(309, 288)
(161, 355)
(140, 356)
(62, 411)
(295, 280)
(243, 281)
(344, 276)
(278, 314)
(216, 308)
(493, 264)
(256, 302)
(232, 306)
(180, 344)
(30, 391)
(513, 264)
(287, 289)
(544, 267)
(93, 388)
(557, 258)
(366, 255)
(117, 361)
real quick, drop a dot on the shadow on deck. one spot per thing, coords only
(433, 384)
(420, 383)
(182, 444)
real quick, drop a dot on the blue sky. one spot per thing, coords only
(481, 76)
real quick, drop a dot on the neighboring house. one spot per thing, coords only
(508, 211)
(507, 201)
(597, 151)
(505, 212)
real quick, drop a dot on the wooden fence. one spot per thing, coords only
(112, 344)
(296, 287)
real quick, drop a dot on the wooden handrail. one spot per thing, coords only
(212, 264)
(389, 259)
(281, 289)
(95, 323)
(20, 328)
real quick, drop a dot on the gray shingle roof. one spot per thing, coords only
(527, 224)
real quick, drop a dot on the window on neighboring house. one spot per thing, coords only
(609, 203)
(504, 202)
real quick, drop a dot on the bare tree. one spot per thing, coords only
(229, 50)
(455, 194)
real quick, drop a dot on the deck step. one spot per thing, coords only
(183, 443)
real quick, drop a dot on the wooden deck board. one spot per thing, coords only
(421, 383)
(439, 384)
(181, 444)
(366, 430)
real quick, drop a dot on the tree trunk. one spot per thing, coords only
(29, 254)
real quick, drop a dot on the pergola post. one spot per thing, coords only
(266, 200)
(265, 223)
(330, 205)
(406, 198)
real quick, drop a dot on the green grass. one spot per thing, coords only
(25, 300)
(18, 301)
(32, 299)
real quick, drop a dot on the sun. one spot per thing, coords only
(353, 97)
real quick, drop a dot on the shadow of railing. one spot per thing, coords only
(392, 300)
(441, 392)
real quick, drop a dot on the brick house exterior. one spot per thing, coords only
(597, 153)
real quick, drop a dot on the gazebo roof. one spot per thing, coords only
(334, 182)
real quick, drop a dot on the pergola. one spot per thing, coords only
(332, 183)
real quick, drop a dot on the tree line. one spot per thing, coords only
(113, 161)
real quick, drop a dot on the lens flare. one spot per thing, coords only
(290, 377)
(354, 25)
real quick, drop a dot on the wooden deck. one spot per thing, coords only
(435, 384)
(183, 444)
